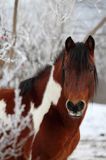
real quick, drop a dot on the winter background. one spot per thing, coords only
(41, 29)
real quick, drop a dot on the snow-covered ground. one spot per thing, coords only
(92, 145)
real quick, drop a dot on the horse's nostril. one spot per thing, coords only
(69, 105)
(75, 108)
(80, 105)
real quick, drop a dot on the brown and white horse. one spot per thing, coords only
(60, 94)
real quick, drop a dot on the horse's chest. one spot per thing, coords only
(53, 141)
(51, 136)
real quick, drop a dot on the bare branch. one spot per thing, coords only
(94, 30)
(11, 51)
(15, 18)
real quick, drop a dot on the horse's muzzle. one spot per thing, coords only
(75, 110)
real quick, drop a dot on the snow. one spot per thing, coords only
(92, 145)
(95, 122)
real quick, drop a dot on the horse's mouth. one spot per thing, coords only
(75, 115)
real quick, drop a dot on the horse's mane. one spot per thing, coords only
(26, 85)
(79, 58)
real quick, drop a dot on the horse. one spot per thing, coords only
(60, 95)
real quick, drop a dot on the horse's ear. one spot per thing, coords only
(90, 43)
(69, 43)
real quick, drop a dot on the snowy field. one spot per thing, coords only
(93, 135)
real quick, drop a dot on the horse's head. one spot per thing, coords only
(79, 75)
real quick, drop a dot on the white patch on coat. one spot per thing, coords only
(51, 96)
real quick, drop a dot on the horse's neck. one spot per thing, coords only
(39, 86)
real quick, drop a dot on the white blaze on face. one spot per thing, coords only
(51, 96)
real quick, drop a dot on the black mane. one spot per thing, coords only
(80, 61)
(80, 57)
(27, 85)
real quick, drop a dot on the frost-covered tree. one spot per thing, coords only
(41, 30)
(11, 127)
(42, 26)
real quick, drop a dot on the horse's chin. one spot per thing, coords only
(75, 115)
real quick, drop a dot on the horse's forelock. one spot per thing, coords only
(80, 61)
(79, 58)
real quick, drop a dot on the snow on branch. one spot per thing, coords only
(94, 30)
(11, 57)
(11, 127)
(38, 41)
(46, 33)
